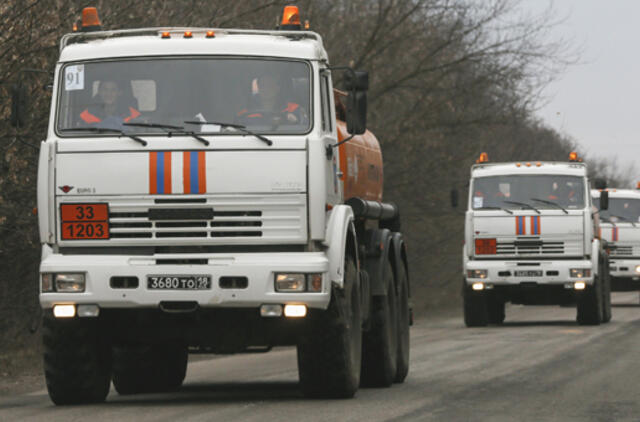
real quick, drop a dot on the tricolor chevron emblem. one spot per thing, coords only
(521, 225)
(166, 168)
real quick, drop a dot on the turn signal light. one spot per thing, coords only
(486, 246)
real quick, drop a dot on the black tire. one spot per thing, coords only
(590, 300)
(404, 321)
(474, 307)
(380, 342)
(329, 355)
(149, 369)
(77, 362)
(495, 309)
(606, 291)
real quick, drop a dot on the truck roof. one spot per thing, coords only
(227, 42)
(618, 193)
(535, 167)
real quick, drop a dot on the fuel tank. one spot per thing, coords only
(360, 160)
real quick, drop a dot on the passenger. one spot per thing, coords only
(271, 104)
(110, 112)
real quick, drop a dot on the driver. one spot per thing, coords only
(109, 110)
(270, 102)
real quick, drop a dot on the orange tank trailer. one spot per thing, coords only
(360, 159)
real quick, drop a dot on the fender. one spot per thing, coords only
(339, 224)
(595, 257)
(377, 246)
(400, 255)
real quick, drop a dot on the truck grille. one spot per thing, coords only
(625, 250)
(526, 247)
(246, 219)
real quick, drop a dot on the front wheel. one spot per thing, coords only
(77, 362)
(606, 291)
(474, 307)
(590, 304)
(329, 355)
(404, 321)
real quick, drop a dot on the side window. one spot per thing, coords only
(326, 104)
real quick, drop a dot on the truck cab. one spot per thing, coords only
(531, 239)
(198, 192)
(620, 228)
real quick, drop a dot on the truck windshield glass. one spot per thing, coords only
(621, 210)
(265, 96)
(524, 192)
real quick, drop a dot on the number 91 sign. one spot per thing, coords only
(74, 77)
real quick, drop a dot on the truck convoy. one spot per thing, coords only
(207, 190)
(531, 238)
(620, 228)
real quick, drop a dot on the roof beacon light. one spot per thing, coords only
(638, 185)
(166, 34)
(210, 34)
(290, 18)
(188, 34)
(90, 20)
(484, 158)
(573, 156)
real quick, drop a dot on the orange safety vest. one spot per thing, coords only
(90, 118)
(291, 107)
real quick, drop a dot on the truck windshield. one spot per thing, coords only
(524, 192)
(265, 96)
(621, 210)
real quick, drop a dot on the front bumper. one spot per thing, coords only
(553, 272)
(259, 268)
(624, 267)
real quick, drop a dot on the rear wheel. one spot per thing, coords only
(380, 343)
(474, 307)
(149, 368)
(590, 303)
(329, 355)
(77, 364)
(404, 320)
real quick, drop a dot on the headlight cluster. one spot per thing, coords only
(579, 272)
(298, 282)
(477, 274)
(62, 282)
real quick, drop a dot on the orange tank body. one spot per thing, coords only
(361, 165)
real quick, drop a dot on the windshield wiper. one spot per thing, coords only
(522, 204)
(106, 129)
(555, 204)
(624, 219)
(171, 130)
(240, 128)
(496, 208)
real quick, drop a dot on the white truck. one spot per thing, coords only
(531, 238)
(620, 228)
(206, 190)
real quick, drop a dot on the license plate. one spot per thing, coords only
(528, 273)
(179, 282)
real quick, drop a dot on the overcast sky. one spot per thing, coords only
(597, 101)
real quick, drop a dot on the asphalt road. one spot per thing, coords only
(540, 365)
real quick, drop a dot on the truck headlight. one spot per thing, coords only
(579, 272)
(477, 274)
(291, 282)
(298, 282)
(69, 282)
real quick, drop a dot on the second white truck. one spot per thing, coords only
(531, 238)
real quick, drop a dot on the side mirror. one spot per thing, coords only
(18, 105)
(604, 200)
(357, 112)
(454, 198)
(600, 183)
(357, 83)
